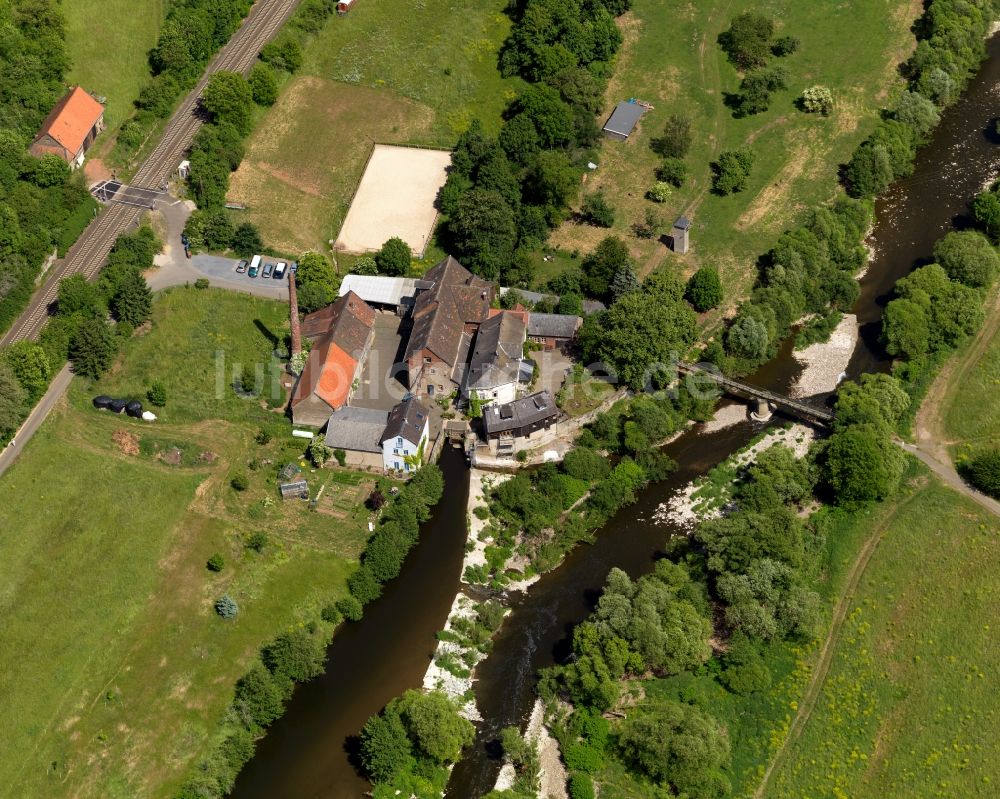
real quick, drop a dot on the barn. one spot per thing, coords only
(623, 120)
(70, 128)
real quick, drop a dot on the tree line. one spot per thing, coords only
(505, 194)
(43, 207)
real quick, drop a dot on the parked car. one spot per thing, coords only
(254, 271)
(279, 270)
(294, 267)
(268, 268)
(241, 267)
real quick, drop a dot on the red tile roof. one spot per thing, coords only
(71, 120)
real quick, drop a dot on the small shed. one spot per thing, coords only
(679, 234)
(288, 471)
(297, 489)
(623, 120)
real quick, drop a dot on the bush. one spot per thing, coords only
(676, 139)
(202, 283)
(704, 289)
(672, 171)
(295, 656)
(350, 608)
(817, 100)
(157, 394)
(784, 45)
(263, 84)
(331, 614)
(597, 211)
(581, 786)
(226, 607)
(732, 170)
(240, 481)
(340, 456)
(258, 700)
(318, 451)
(394, 257)
(660, 192)
(257, 541)
(216, 563)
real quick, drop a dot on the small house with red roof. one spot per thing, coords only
(70, 128)
(342, 335)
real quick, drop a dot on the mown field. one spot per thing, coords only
(108, 42)
(971, 412)
(115, 668)
(907, 708)
(671, 59)
(392, 72)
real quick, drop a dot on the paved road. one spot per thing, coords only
(88, 254)
(59, 385)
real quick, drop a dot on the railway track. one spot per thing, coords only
(91, 249)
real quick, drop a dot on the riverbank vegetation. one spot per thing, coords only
(716, 642)
(132, 516)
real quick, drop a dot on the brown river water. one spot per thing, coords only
(308, 753)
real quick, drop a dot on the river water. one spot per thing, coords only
(307, 753)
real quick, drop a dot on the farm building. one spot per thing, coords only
(379, 291)
(554, 331)
(70, 128)
(495, 363)
(521, 418)
(623, 120)
(445, 318)
(388, 440)
(342, 334)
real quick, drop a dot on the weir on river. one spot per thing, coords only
(307, 753)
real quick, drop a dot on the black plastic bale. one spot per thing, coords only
(102, 402)
(117, 405)
(134, 408)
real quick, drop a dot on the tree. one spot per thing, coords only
(246, 240)
(862, 464)
(317, 285)
(226, 607)
(905, 329)
(817, 100)
(258, 699)
(748, 337)
(318, 451)
(228, 98)
(50, 170)
(967, 257)
(679, 746)
(983, 470)
(647, 227)
(386, 749)
(785, 46)
(732, 170)
(601, 265)
(365, 265)
(394, 257)
(625, 282)
(704, 289)
(218, 230)
(434, 725)
(675, 141)
(551, 117)
(917, 112)
(13, 401)
(263, 84)
(754, 96)
(133, 301)
(294, 656)
(284, 52)
(484, 232)
(876, 398)
(869, 172)
(30, 366)
(77, 295)
(551, 182)
(747, 41)
(597, 211)
(92, 348)
(985, 209)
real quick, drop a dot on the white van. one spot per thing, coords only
(254, 266)
(279, 270)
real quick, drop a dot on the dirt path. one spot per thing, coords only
(822, 668)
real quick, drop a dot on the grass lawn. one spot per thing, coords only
(108, 42)
(971, 412)
(390, 72)
(908, 706)
(116, 670)
(671, 59)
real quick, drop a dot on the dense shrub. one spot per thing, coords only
(983, 470)
(704, 289)
(226, 607)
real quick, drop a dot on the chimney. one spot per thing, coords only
(293, 309)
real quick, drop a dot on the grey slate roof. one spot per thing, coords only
(358, 429)
(496, 355)
(683, 223)
(624, 118)
(520, 413)
(553, 325)
(407, 419)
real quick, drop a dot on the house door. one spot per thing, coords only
(430, 390)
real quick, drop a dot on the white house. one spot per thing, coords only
(495, 365)
(404, 439)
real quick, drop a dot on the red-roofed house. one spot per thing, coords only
(342, 334)
(70, 128)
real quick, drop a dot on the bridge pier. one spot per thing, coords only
(761, 410)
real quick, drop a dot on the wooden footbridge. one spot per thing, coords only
(803, 410)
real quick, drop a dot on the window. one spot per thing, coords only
(427, 360)
(406, 466)
(430, 391)
(397, 466)
(399, 441)
(433, 371)
(395, 452)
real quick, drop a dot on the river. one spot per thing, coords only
(306, 753)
